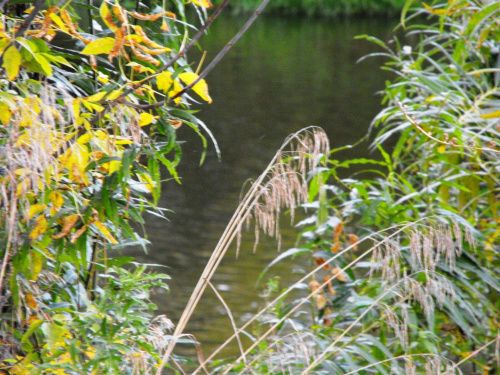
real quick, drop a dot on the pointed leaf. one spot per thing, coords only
(105, 232)
(99, 46)
(11, 62)
(201, 87)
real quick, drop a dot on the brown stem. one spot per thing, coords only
(181, 53)
(213, 63)
(27, 22)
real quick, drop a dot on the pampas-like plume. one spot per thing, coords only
(282, 185)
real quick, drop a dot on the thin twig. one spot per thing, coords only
(226, 48)
(27, 22)
(473, 354)
(233, 323)
(242, 212)
(428, 135)
(210, 66)
(181, 53)
(278, 298)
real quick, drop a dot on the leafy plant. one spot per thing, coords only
(88, 116)
(403, 255)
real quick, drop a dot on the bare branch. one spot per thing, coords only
(181, 53)
(210, 66)
(27, 22)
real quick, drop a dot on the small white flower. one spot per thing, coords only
(406, 50)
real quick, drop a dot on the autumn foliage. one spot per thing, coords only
(88, 112)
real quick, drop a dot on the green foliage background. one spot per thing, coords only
(324, 8)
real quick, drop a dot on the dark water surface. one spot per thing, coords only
(285, 74)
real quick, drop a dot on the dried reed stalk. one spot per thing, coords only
(281, 185)
(297, 306)
(436, 288)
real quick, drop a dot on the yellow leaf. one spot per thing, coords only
(491, 115)
(132, 38)
(31, 302)
(146, 119)
(92, 106)
(90, 352)
(201, 88)
(124, 142)
(59, 22)
(4, 113)
(33, 104)
(148, 181)
(96, 97)
(40, 227)
(68, 223)
(103, 78)
(320, 301)
(164, 81)
(44, 64)
(22, 187)
(339, 275)
(76, 163)
(57, 201)
(141, 68)
(84, 139)
(437, 12)
(114, 95)
(202, 3)
(442, 149)
(11, 62)
(353, 241)
(36, 208)
(164, 26)
(99, 46)
(105, 232)
(107, 17)
(76, 110)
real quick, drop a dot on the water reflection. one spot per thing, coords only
(283, 75)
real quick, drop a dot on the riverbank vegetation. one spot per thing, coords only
(323, 8)
(403, 266)
(88, 114)
(399, 262)
(404, 258)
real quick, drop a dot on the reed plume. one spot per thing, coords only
(282, 185)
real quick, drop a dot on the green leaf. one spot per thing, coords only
(405, 9)
(54, 335)
(44, 63)
(33, 326)
(99, 46)
(36, 260)
(59, 60)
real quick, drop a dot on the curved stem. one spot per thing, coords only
(225, 241)
(262, 337)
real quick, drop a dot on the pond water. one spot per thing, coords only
(284, 74)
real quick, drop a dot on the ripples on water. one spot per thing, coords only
(283, 75)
